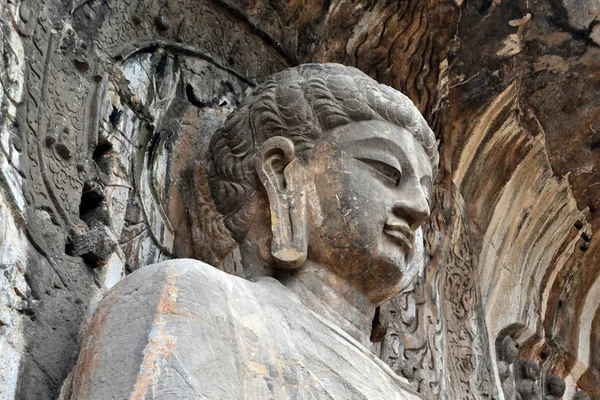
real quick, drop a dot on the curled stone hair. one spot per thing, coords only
(300, 104)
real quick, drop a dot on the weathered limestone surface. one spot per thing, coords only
(102, 102)
(206, 334)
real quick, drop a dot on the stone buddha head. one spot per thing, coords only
(507, 350)
(322, 164)
(555, 386)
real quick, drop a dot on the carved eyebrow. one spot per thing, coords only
(388, 150)
(374, 142)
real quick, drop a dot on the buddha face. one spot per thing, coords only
(508, 350)
(371, 182)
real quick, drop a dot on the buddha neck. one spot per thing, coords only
(327, 294)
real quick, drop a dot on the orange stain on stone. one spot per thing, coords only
(161, 340)
(91, 349)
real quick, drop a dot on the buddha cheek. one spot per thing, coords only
(347, 230)
(366, 212)
(362, 211)
(350, 207)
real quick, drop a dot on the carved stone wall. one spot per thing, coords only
(103, 104)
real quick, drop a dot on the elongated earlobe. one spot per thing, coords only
(282, 175)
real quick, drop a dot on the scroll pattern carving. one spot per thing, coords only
(55, 134)
(191, 27)
(468, 366)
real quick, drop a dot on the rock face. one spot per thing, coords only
(104, 105)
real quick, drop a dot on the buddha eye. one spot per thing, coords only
(389, 175)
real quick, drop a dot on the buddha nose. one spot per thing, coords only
(413, 207)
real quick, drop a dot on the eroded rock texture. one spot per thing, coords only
(105, 103)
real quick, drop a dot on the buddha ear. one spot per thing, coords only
(283, 177)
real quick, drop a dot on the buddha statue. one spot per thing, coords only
(323, 177)
(555, 388)
(526, 385)
(507, 351)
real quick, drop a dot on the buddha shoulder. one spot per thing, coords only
(165, 287)
(178, 315)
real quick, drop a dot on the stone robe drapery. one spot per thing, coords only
(182, 329)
